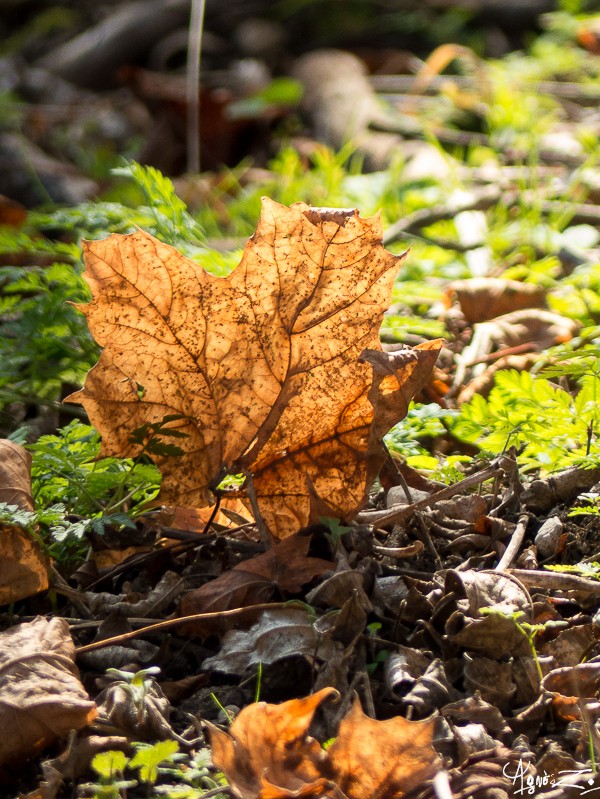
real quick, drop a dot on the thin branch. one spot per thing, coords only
(556, 581)
(400, 513)
(169, 623)
(515, 542)
(193, 85)
(480, 201)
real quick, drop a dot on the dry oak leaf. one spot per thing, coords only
(15, 475)
(41, 696)
(24, 566)
(286, 566)
(264, 365)
(268, 754)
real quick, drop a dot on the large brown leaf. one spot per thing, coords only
(268, 753)
(265, 365)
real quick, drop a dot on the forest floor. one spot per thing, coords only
(384, 599)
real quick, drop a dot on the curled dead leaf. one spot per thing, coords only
(499, 340)
(285, 566)
(41, 697)
(278, 633)
(268, 753)
(261, 370)
(572, 687)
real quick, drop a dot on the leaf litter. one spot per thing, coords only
(475, 669)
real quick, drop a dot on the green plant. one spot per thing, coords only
(109, 767)
(528, 630)
(149, 757)
(170, 220)
(422, 423)
(66, 469)
(45, 341)
(591, 506)
(548, 425)
(161, 769)
(75, 492)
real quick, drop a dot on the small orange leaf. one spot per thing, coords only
(382, 759)
(268, 754)
(263, 368)
(270, 743)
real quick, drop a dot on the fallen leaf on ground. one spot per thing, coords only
(483, 298)
(15, 475)
(573, 687)
(24, 566)
(41, 696)
(518, 332)
(235, 588)
(285, 566)
(382, 759)
(268, 754)
(279, 633)
(231, 513)
(262, 370)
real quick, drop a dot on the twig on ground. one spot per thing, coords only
(401, 513)
(400, 552)
(556, 581)
(168, 623)
(515, 542)
(480, 201)
(216, 791)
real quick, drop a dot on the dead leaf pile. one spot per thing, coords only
(509, 328)
(470, 661)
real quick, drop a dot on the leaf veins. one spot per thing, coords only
(263, 367)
